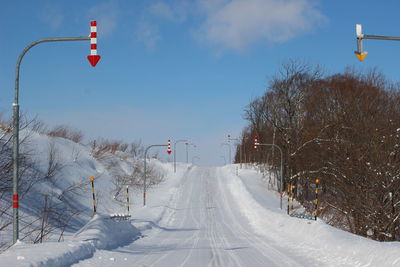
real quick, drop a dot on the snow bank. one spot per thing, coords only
(332, 246)
(106, 233)
(101, 232)
(160, 200)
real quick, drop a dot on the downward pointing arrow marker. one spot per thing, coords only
(93, 59)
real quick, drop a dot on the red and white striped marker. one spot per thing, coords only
(169, 147)
(15, 199)
(93, 58)
(255, 142)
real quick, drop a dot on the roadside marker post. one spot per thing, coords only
(293, 194)
(127, 199)
(288, 198)
(94, 197)
(316, 199)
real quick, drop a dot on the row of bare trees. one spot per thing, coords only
(343, 129)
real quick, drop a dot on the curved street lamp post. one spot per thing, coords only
(281, 183)
(179, 141)
(93, 58)
(144, 172)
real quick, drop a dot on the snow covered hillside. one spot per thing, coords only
(207, 217)
(55, 187)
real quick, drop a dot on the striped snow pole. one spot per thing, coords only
(316, 199)
(169, 147)
(293, 195)
(94, 197)
(127, 199)
(288, 198)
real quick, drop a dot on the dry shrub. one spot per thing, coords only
(66, 132)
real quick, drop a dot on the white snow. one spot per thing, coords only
(100, 232)
(197, 217)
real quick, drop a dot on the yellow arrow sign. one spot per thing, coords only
(361, 57)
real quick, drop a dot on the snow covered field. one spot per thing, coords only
(207, 217)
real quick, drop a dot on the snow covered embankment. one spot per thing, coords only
(332, 246)
(101, 232)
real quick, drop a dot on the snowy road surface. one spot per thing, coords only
(205, 227)
(207, 217)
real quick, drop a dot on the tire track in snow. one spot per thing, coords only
(183, 221)
(255, 239)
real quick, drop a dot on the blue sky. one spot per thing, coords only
(177, 69)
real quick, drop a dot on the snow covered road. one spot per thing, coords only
(203, 228)
(207, 217)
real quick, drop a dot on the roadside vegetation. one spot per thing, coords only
(48, 195)
(343, 129)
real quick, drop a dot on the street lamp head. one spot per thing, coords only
(360, 53)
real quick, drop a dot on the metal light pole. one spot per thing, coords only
(224, 159)
(230, 152)
(281, 184)
(360, 53)
(144, 173)
(179, 141)
(15, 106)
(187, 150)
(240, 150)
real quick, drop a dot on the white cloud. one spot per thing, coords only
(148, 34)
(176, 11)
(53, 17)
(106, 15)
(238, 24)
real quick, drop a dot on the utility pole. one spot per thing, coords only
(93, 59)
